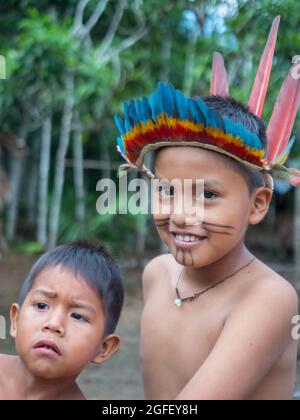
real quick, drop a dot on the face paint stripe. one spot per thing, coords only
(223, 226)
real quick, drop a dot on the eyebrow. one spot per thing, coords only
(212, 183)
(74, 304)
(207, 183)
(82, 305)
(49, 293)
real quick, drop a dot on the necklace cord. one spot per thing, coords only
(196, 295)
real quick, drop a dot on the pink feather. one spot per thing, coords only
(260, 86)
(219, 81)
(295, 179)
(284, 114)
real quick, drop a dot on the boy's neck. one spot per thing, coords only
(29, 387)
(220, 269)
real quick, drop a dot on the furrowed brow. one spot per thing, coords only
(82, 305)
(51, 294)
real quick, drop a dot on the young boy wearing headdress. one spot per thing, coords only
(217, 322)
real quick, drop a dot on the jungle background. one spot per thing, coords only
(69, 67)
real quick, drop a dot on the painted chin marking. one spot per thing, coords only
(184, 258)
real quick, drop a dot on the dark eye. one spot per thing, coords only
(209, 195)
(42, 306)
(166, 191)
(79, 317)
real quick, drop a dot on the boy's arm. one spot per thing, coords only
(252, 340)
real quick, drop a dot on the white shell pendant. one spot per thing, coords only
(178, 302)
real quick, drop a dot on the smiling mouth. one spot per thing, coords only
(187, 240)
(47, 348)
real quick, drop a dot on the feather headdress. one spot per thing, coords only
(167, 117)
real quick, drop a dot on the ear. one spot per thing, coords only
(14, 317)
(261, 200)
(109, 346)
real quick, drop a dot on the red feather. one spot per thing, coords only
(284, 114)
(260, 86)
(219, 81)
(165, 133)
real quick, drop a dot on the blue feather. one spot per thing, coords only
(244, 134)
(121, 145)
(197, 115)
(215, 119)
(145, 109)
(182, 105)
(247, 138)
(228, 126)
(257, 144)
(128, 121)
(139, 110)
(120, 125)
(128, 125)
(167, 97)
(133, 113)
(203, 109)
(155, 105)
(239, 131)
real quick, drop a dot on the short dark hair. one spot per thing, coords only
(92, 262)
(238, 113)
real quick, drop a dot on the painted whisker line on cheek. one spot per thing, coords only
(162, 224)
(221, 233)
(221, 226)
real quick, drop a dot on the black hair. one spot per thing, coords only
(92, 262)
(238, 113)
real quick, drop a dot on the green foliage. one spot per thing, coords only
(31, 248)
(115, 230)
(40, 50)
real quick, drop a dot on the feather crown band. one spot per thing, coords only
(169, 118)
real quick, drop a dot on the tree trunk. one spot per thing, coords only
(16, 170)
(31, 166)
(43, 186)
(297, 238)
(188, 74)
(60, 161)
(166, 52)
(105, 155)
(78, 171)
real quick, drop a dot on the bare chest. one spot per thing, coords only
(177, 341)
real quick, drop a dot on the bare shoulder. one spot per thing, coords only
(7, 363)
(158, 265)
(270, 291)
(7, 360)
(74, 394)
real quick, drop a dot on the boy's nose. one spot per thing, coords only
(178, 219)
(55, 324)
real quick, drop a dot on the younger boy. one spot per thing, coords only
(67, 313)
(217, 322)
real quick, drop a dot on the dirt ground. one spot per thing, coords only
(119, 378)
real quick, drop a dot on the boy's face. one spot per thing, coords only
(59, 328)
(228, 206)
